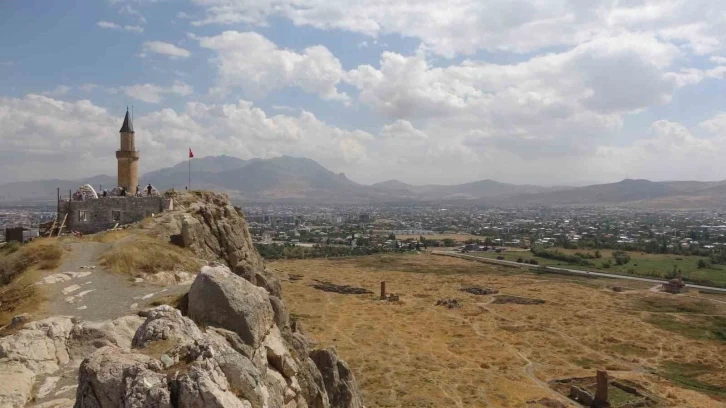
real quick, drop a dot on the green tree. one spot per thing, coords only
(621, 257)
(701, 264)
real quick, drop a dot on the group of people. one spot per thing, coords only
(124, 193)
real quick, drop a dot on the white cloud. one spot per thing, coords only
(53, 136)
(151, 93)
(163, 48)
(136, 29)
(252, 62)
(554, 104)
(402, 129)
(113, 26)
(668, 153)
(465, 26)
(108, 25)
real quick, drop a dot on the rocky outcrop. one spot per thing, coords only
(242, 358)
(45, 347)
(234, 346)
(219, 298)
(338, 379)
(213, 229)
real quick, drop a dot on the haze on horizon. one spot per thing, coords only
(553, 92)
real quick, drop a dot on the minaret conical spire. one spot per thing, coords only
(128, 126)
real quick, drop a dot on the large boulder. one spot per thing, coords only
(40, 346)
(205, 386)
(88, 336)
(338, 379)
(16, 384)
(114, 377)
(220, 298)
(165, 323)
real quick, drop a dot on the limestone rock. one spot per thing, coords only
(113, 377)
(219, 298)
(214, 230)
(40, 346)
(16, 384)
(243, 377)
(338, 379)
(312, 387)
(278, 355)
(166, 323)
(282, 316)
(56, 403)
(205, 386)
(88, 336)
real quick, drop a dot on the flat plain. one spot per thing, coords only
(412, 353)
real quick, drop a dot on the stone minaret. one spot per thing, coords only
(128, 158)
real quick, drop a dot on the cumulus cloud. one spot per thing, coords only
(163, 48)
(464, 26)
(49, 136)
(252, 62)
(152, 93)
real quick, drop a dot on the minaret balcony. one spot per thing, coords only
(127, 154)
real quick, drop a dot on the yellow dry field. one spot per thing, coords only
(415, 354)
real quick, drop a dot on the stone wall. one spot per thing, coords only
(104, 213)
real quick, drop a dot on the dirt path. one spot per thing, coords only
(82, 288)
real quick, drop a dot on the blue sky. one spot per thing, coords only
(543, 92)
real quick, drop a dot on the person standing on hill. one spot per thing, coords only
(148, 190)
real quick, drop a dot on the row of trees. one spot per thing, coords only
(289, 251)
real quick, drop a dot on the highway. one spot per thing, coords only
(570, 271)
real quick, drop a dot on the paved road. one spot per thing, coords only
(572, 271)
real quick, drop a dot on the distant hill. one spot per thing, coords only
(292, 179)
(41, 191)
(632, 192)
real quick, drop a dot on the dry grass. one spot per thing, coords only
(20, 268)
(43, 253)
(415, 354)
(142, 254)
(109, 236)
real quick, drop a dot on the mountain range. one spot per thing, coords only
(290, 179)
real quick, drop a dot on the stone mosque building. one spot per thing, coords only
(89, 212)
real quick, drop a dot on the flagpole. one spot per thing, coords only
(190, 170)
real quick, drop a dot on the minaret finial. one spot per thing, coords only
(128, 126)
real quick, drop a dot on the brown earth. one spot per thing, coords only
(414, 354)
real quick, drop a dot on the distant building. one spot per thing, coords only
(20, 234)
(87, 212)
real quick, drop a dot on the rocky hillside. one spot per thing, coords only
(230, 343)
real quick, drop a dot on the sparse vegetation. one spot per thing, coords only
(686, 375)
(695, 327)
(670, 304)
(144, 254)
(290, 251)
(19, 269)
(16, 259)
(639, 264)
(555, 336)
(561, 256)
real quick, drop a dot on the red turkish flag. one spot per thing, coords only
(190, 153)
